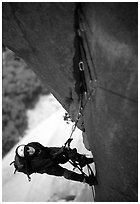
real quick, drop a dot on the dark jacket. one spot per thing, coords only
(44, 158)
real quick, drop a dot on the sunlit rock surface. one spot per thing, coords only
(43, 35)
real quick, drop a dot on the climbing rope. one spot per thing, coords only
(81, 109)
(74, 126)
(86, 93)
(92, 83)
(90, 172)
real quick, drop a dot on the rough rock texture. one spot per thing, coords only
(112, 131)
(43, 35)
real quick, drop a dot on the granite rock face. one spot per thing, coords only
(112, 112)
(43, 34)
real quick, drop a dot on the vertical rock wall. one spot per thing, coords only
(43, 35)
(111, 114)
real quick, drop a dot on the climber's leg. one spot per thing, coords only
(57, 170)
(83, 160)
(73, 176)
(91, 180)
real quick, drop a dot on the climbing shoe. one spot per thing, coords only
(91, 180)
(84, 161)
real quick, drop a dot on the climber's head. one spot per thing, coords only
(29, 150)
(25, 150)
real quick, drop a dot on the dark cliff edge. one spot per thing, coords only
(43, 34)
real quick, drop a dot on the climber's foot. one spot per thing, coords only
(84, 161)
(91, 180)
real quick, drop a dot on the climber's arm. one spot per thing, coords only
(55, 152)
(70, 153)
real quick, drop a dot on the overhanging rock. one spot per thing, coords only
(43, 34)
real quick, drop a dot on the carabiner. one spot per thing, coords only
(81, 66)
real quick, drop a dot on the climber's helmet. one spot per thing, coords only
(25, 150)
(20, 150)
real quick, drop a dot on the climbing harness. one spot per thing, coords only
(77, 165)
(90, 172)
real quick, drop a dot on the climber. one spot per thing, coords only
(35, 158)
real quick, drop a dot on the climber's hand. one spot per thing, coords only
(68, 142)
(58, 153)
